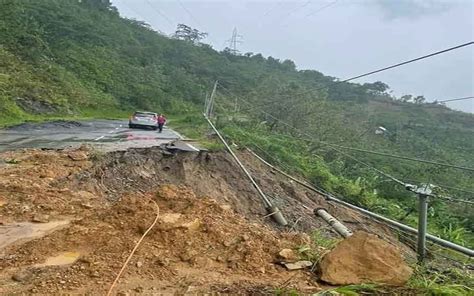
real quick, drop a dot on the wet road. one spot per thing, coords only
(107, 135)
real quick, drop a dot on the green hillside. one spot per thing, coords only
(79, 59)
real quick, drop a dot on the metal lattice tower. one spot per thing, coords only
(236, 39)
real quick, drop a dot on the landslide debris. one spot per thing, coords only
(213, 233)
(199, 245)
(364, 258)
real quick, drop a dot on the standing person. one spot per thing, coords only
(161, 122)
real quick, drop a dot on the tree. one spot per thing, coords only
(189, 34)
(419, 99)
(406, 98)
(377, 87)
(289, 65)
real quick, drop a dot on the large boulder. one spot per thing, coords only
(364, 258)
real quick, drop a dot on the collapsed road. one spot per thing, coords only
(105, 135)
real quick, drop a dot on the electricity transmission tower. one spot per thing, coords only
(236, 38)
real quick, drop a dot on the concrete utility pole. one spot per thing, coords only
(423, 195)
(209, 102)
(236, 38)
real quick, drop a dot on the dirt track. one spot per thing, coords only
(211, 236)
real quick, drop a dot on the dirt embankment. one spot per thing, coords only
(212, 234)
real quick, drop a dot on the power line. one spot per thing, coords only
(409, 61)
(404, 184)
(458, 99)
(306, 3)
(335, 149)
(394, 66)
(444, 186)
(322, 8)
(272, 8)
(396, 180)
(405, 158)
(188, 12)
(191, 15)
(451, 199)
(130, 9)
(160, 13)
(438, 185)
(332, 146)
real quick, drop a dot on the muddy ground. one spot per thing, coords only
(69, 219)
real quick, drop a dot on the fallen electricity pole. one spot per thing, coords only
(274, 212)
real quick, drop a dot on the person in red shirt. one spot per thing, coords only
(161, 122)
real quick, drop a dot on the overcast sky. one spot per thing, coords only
(341, 38)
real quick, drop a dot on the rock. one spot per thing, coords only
(298, 265)
(78, 155)
(40, 218)
(220, 258)
(192, 226)
(85, 195)
(187, 255)
(364, 258)
(87, 206)
(139, 264)
(139, 289)
(201, 262)
(170, 218)
(163, 262)
(287, 254)
(22, 276)
(3, 201)
(95, 274)
(85, 147)
(225, 207)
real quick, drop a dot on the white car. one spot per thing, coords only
(143, 119)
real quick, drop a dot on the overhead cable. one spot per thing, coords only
(188, 12)
(409, 61)
(458, 99)
(333, 146)
(394, 179)
(404, 157)
(171, 22)
(321, 8)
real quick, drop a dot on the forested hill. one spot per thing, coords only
(80, 58)
(67, 56)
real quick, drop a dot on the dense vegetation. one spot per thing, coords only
(81, 59)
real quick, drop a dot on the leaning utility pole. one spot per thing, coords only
(273, 211)
(209, 102)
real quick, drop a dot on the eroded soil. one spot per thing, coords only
(212, 234)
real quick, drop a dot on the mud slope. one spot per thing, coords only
(77, 214)
(216, 175)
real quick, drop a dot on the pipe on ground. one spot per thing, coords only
(335, 224)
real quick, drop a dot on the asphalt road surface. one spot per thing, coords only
(107, 135)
